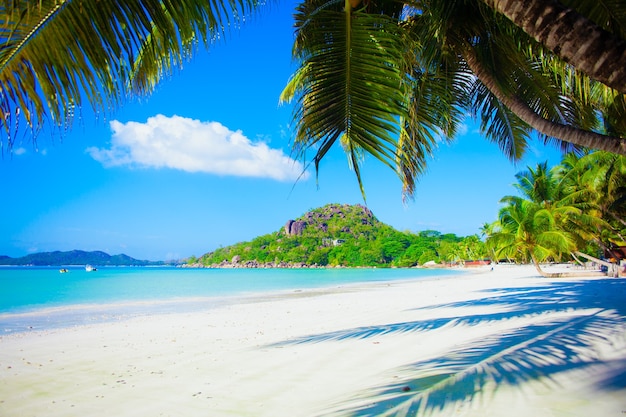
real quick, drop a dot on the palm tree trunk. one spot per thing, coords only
(571, 36)
(577, 260)
(563, 274)
(560, 131)
(612, 269)
(536, 263)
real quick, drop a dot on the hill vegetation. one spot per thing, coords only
(572, 212)
(343, 235)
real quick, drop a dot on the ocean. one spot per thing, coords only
(37, 298)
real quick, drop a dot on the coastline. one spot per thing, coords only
(372, 347)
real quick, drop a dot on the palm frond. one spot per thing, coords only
(104, 45)
(609, 14)
(350, 85)
(499, 124)
(434, 115)
(613, 108)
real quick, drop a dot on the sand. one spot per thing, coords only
(490, 343)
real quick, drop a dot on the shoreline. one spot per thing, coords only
(538, 346)
(46, 317)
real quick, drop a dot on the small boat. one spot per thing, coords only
(63, 271)
(90, 268)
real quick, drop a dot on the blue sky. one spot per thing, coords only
(205, 162)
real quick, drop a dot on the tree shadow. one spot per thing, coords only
(549, 345)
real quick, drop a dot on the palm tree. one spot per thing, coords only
(553, 190)
(600, 180)
(392, 76)
(560, 192)
(565, 31)
(537, 185)
(583, 197)
(55, 55)
(528, 232)
(387, 81)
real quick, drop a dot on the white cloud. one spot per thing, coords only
(194, 146)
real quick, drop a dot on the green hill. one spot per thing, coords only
(334, 235)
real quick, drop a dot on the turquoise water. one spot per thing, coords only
(35, 298)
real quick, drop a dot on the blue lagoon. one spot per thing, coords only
(32, 298)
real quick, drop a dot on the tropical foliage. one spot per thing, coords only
(57, 55)
(577, 206)
(386, 78)
(346, 235)
(389, 78)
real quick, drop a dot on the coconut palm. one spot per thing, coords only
(600, 178)
(528, 232)
(602, 34)
(558, 191)
(57, 55)
(416, 62)
(388, 81)
(552, 189)
(538, 184)
(582, 197)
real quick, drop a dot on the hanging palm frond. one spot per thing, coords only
(54, 55)
(350, 86)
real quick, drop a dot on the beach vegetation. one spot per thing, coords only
(529, 233)
(573, 210)
(58, 56)
(576, 207)
(345, 236)
(390, 79)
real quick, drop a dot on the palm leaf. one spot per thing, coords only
(349, 87)
(433, 116)
(610, 14)
(105, 43)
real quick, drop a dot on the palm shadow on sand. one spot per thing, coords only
(569, 320)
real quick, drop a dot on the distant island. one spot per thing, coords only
(75, 257)
(343, 235)
(335, 235)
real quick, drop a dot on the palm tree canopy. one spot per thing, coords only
(577, 206)
(55, 54)
(529, 232)
(352, 81)
(568, 26)
(388, 78)
(451, 57)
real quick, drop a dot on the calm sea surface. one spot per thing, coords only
(37, 298)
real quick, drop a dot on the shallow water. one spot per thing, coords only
(34, 298)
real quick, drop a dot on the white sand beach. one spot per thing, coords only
(491, 343)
